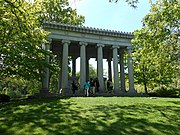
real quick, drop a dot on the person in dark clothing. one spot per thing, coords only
(74, 87)
(109, 85)
(92, 86)
(97, 85)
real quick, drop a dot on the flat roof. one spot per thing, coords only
(84, 29)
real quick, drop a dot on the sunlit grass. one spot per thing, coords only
(91, 116)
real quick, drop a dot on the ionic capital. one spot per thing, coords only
(83, 43)
(66, 42)
(100, 45)
(115, 47)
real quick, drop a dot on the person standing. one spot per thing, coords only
(109, 85)
(92, 86)
(74, 87)
(97, 85)
(87, 87)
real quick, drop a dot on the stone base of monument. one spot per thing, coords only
(132, 94)
(121, 94)
(44, 93)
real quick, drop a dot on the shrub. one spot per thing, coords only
(14, 94)
(164, 91)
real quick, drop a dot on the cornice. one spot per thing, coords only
(84, 29)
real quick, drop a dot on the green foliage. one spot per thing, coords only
(164, 91)
(14, 94)
(21, 39)
(33, 86)
(92, 72)
(132, 3)
(54, 82)
(18, 87)
(58, 11)
(157, 45)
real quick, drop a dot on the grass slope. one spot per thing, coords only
(91, 116)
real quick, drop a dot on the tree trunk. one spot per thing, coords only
(145, 84)
(145, 88)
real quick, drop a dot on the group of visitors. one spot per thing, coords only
(92, 86)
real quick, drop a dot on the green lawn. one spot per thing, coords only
(91, 116)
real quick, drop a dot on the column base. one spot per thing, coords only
(44, 93)
(132, 92)
(117, 91)
(66, 92)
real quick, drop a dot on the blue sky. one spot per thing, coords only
(115, 16)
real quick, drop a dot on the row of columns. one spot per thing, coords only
(83, 68)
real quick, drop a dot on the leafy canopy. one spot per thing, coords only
(20, 39)
(22, 35)
(58, 11)
(157, 44)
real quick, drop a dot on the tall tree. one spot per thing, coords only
(20, 39)
(21, 36)
(157, 44)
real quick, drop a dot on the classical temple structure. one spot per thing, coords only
(86, 42)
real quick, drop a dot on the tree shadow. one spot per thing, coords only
(65, 117)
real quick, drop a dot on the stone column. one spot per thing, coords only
(45, 79)
(73, 67)
(109, 69)
(87, 69)
(65, 67)
(130, 72)
(82, 64)
(122, 75)
(60, 73)
(115, 66)
(100, 66)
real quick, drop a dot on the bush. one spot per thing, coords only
(4, 98)
(164, 91)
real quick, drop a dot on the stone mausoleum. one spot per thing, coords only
(85, 43)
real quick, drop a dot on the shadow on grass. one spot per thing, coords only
(65, 117)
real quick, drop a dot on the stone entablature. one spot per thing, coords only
(86, 30)
(89, 35)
